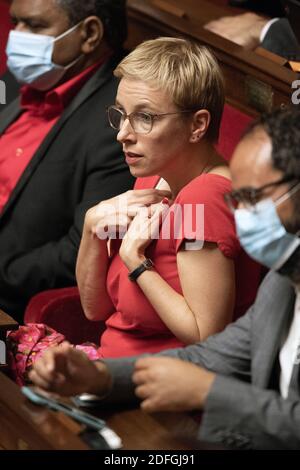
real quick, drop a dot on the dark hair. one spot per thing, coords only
(112, 13)
(283, 128)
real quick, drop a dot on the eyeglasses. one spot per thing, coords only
(249, 197)
(141, 123)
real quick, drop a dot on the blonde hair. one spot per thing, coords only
(187, 71)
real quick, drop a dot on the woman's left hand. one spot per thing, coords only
(143, 229)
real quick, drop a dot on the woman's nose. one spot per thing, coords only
(126, 132)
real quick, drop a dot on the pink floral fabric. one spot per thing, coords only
(29, 342)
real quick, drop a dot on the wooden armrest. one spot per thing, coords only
(168, 8)
(7, 323)
(271, 56)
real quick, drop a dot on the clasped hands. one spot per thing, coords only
(162, 383)
(134, 217)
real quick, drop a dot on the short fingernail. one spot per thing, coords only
(165, 201)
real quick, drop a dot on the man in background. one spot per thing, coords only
(252, 29)
(11, 85)
(58, 155)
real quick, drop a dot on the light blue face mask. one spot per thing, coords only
(30, 59)
(262, 234)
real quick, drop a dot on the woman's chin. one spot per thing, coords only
(140, 172)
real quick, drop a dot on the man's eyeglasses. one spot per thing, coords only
(249, 197)
(141, 123)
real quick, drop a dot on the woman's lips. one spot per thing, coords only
(132, 158)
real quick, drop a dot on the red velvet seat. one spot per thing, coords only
(234, 123)
(61, 308)
(4, 30)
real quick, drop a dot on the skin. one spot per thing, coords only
(176, 150)
(93, 256)
(244, 29)
(251, 165)
(168, 384)
(164, 150)
(47, 18)
(62, 369)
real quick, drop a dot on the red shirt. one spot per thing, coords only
(22, 139)
(135, 327)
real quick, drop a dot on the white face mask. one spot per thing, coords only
(30, 59)
(262, 234)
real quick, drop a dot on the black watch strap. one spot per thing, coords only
(147, 264)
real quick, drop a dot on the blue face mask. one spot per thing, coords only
(30, 59)
(262, 234)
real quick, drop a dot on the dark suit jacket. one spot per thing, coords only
(272, 8)
(78, 164)
(281, 40)
(244, 408)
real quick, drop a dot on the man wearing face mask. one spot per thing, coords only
(245, 379)
(11, 85)
(58, 155)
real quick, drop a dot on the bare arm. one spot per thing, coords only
(206, 306)
(208, 283)
(91, 273)
(105, 220)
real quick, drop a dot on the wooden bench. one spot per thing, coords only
(253, 83)
(25, 426)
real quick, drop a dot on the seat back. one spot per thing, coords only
(234, 123)
(61, 309)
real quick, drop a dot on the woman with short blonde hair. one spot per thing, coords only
(146, 266)
(160, 293)
(186, 71)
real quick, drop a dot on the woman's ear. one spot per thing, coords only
(200, 125)
(93, 32)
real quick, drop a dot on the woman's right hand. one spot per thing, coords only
(108, 220)
(113, 216)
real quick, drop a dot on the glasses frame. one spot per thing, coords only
(235, 197)
(153, 117)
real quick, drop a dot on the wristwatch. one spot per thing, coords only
(146, 264)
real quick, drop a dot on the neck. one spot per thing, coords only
(86, 62)
(198, 159)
